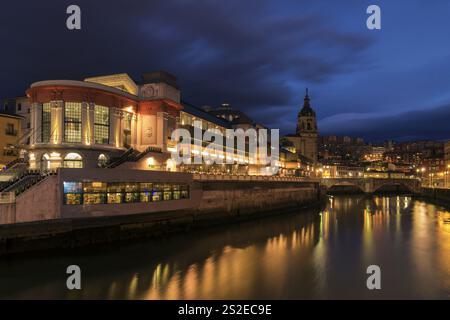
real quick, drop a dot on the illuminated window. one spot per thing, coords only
(76, 193)
(94, 198)
(72, 122)
(157, 194)
(115, 197)
(73, 160)
(167, 192)
(73, 193)
(90, 187)
(184, 191)
(101, 125)
(46, 123)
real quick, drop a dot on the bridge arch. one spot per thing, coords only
(393, 186)
(343, 186)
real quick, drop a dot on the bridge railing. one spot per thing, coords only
(220, 177)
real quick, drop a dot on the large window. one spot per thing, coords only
(122, 192)
(46, 122)
(101, 125)
(73, 193)
(72, 122)
(73, 160)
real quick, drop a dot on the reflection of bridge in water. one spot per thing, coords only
(372, 185)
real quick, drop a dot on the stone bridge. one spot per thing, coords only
(371, 185)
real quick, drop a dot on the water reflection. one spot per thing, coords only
(292, 256)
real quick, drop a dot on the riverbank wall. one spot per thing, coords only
(210, 203)
(440, 195)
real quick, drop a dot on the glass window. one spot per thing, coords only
(131, 187)
(72, 193)
(76, 193)
(157, 193)
(167, 192)
(72, 187)
(176, 194)
(146, 196)
(115, 197)
(72, 198)
(184, 191)
(94, 198)
(73, 160)
(46, 122)
(116, 187)
(131, 197)
(145, 186)
(101, 125)
(90, 187)
(72, 122)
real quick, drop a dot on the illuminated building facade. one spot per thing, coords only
(111, 121)
(10, 131)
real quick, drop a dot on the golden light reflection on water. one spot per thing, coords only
(304, 255)
(239, 270)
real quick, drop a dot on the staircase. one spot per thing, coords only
(123, 158)
(13, 163)
(25, 181)
(132, 155)
(23, 176)
(145, 152)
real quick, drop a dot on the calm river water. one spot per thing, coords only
(312, 255)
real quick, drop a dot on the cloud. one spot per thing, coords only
(254, 54)
(431, 123)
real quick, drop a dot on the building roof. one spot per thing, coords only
(10, 115)
(195, 111)
(225, 111)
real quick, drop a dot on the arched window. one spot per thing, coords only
(102, 161)
(73, 160)
(45, 162)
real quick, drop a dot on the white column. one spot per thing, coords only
(36, 123)
(112, 126)
(118, 128)
(120, 121)
(85, 129)
(90, 112)
(134, 130)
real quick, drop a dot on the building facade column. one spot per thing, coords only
(85, 126)
(112, 126)
(57, 122)
(36, 123)
(90, 113)
(134, 130)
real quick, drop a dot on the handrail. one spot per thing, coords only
(224, 177)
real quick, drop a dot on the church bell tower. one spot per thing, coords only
(307, 130)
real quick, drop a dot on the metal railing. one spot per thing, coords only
(224, 177)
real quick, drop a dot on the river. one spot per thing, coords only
(313, 254)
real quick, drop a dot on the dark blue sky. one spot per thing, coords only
(259, 55)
